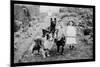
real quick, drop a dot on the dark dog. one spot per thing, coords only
(45, 32)
(60, 43)
(38, 45)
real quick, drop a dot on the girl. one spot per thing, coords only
(71, 34)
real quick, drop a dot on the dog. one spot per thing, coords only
(60, 43)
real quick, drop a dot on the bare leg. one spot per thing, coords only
(71, 47)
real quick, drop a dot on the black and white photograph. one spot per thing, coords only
(46, 33)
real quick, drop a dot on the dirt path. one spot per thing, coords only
(82, 52)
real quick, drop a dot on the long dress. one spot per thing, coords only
(70, 35)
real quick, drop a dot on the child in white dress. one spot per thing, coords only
(71, 35)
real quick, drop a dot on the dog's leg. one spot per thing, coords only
(32, 50)
(62, 50)
(43, 53)
(48, 52)
(38, 51)
(58, 48)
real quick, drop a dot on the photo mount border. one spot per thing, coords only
(46, 4)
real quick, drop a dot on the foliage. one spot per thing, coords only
(21, 13)
(84, 18)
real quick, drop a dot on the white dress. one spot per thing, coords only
(70, 34)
